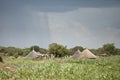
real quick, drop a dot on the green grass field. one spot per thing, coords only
(107, 68)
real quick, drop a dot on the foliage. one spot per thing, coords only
(57, 50)
(43, 51)
(64, 69)
(20, 52)
(2, 49)
(76, 48)
(1, 60)
(99, 51)
(94, 51)
(10, 51)
(35, 47)
(109, 48)
(117, 50)
(16, 55)
(26, 51)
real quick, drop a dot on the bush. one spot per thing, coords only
(1, 60)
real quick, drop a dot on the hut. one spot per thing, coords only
(88, 54)
(33, 54)
(77, 54)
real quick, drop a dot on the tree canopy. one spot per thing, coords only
(109, 48)
(72, 50)
(35, 47)
(58, 50)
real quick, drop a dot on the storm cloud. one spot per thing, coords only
(75, 22)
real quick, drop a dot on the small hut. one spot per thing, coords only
(77, 54)
(88, 54)
(33, 54)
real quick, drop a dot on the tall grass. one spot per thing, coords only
(64, 69)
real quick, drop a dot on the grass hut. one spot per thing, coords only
(88, 54)
(77, 54)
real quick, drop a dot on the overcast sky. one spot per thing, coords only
(87, 23)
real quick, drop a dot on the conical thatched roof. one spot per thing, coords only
(33, 54)
(87, 54)
(77, 54)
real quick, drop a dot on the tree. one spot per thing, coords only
(10, 51)
(109, 48)
(43, 51)
(57, 50)
(99, 51)
(72, 50)
(94, 51)
(2, 49)
(117, 50)
(35, 47)
(20, 52)
(26, 51)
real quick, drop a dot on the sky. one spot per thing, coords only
(86, 23)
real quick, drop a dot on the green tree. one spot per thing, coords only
(43, 51)
(2, 49)
(20, 52)
(58, 50)
(109, 48)
(94, 51)
(72, 50)
(117, 50)
(99, 51)
(35, 47)
(10, 51)
(26, 51)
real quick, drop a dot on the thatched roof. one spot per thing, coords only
(77, 54)
(33, 54)
(87, 54)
